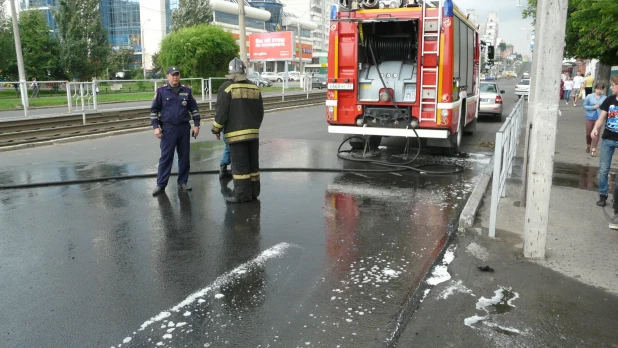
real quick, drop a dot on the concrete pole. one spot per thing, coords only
(243, 31)
(551, 25)
(20, 59)
(528, 124)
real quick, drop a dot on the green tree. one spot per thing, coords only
(84, 47)
(200, 51)
(502, 46)
(120, 59)
(8, 60)
(191, 13)
(39, 46)
(156, 67)
(591, 32)
(3, 14)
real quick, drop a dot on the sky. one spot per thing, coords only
(511, 22)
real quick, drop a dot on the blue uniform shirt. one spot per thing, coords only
(174, 108)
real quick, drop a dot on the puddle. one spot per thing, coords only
(569, 175)
(578, 176)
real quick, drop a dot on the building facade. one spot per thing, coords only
(141, 25)
(492, 28)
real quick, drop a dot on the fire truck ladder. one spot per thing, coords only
(431, 30)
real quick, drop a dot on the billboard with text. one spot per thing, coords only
(271, 46)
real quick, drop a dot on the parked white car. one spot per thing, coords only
(270, 76)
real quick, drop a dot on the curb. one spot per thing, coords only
(468, 214)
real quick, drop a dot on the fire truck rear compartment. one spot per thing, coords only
(394, 45)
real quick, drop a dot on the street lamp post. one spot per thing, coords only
(20, 60)
(143, 48)
(300, 51)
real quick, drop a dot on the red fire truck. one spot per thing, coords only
(403, 68)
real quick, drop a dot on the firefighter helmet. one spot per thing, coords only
(236, 66)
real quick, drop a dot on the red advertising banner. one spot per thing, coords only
(272, 46)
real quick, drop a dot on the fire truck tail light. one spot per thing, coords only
(384, 97)
(331, 109)
(444, 112)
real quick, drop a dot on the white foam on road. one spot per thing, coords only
(440, 273)
(455, 286)
(268, 254)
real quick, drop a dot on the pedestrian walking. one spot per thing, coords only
(568, 87)
(16, 86)
(172, 109)
(578, 84)
(609, 143)
(35, 88)
(239, 113)
(592, 103)
(588, 83)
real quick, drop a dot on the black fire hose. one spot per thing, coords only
(390, 168)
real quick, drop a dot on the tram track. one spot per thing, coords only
(21, 132)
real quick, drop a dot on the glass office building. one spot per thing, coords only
(122, 19)
(45, 6)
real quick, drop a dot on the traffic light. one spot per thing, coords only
(490, 52)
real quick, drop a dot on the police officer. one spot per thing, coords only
(176, 106)
(239, 112)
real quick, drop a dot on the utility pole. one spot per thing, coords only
(543, 116)
(143, 53)
(300, 51)
(20, 60)
(243, 31)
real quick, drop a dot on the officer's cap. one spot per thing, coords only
(173, 70)
(236, 66)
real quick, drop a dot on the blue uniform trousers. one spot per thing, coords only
(225, 159)
(175, 137)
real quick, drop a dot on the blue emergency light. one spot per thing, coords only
(333, 12)
(448, 8)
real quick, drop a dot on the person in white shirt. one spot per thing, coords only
(578, 83)
(568, 87)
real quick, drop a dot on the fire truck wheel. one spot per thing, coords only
(470, 128)
(355, 143)
(456, 138)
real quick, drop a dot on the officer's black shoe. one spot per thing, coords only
(157, 191)
(223, 172)
(185, 187)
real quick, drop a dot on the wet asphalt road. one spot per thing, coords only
(323, 259)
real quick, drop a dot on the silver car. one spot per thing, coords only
(491, 99)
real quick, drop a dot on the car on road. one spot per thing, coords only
(491, 99)
(283, 76)
(318, 82)
(271, 76)
(294, 76)
(259, 80)
(522, 89)
(525, 75)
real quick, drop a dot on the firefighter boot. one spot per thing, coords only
(255, 189)
(223, 172)
(242, 192)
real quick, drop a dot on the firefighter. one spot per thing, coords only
(176, 106)
(239, 113)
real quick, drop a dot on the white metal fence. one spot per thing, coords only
(507, 139)
(82, 97)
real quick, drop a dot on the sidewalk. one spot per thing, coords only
(570, 299)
